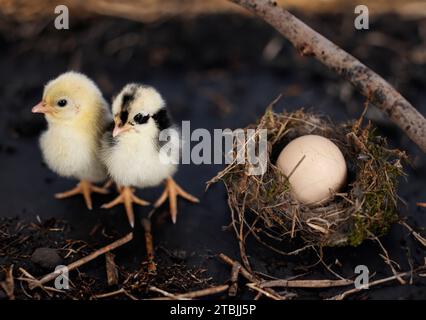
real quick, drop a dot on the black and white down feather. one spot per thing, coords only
(143, 148)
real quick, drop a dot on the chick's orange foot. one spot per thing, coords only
(127, 197)
(85, 188)
(171, 191)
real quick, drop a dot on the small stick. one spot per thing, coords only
(243, 271)
(9, 284)
(258, 296)
(421, 204)
(234, 279)
(375, 283)
(164, 293)
(152, 268)
(114, 293)
(388, 261)
(82, 261)
(204, 292)
(289, 283)
(26, 273)
(264, 291)
(30, 279)
(306, 283)
(191, 295)
(111, 269)
(296, 166)
(415, 234)
(109, 294)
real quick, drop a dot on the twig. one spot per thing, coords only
(370, 84)
(241, 236)
(8, 285)
(387, 260)
(250, 277)
(164, 293)
(234, 279)
(192, 294)
(204, 292)
(306, 283)
(321, 260)
(415, 234)
(296, 166)
(26, 273)
(288, 283)
(152, 268)
(111, 269)
(377, 282)
(109, 294)
(82, 261)
(264, 291)
(29, 278)
(114, 293)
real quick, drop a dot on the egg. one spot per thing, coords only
(315, 167)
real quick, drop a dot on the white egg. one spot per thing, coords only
(322, 171)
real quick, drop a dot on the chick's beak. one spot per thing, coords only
(118, 130)
(41, 107)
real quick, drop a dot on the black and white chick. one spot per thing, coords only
(77, 115)
(133, 152)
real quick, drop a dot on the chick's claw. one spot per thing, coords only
(85, 188)
(171, 191)
(127, 197)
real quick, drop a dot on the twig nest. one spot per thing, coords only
(273, 208)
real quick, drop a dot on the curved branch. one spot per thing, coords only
(367, 82)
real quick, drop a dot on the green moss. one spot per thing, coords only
(379, 209)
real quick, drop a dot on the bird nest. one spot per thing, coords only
(262, 205)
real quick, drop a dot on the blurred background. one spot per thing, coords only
(218, 67)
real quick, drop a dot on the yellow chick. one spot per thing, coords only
(77, 114)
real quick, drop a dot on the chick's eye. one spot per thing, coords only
(62, 103)
(139, 118)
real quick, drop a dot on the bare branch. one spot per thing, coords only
(190, 295)
(152, 267)
(367, 82)
(111, 268)
(343, 295)
(8, 285)
(82, 261)
(306, 283)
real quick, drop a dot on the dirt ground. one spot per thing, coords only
(213, 71)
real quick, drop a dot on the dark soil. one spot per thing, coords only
(211, 72)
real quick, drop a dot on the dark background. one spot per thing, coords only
(212, 71)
